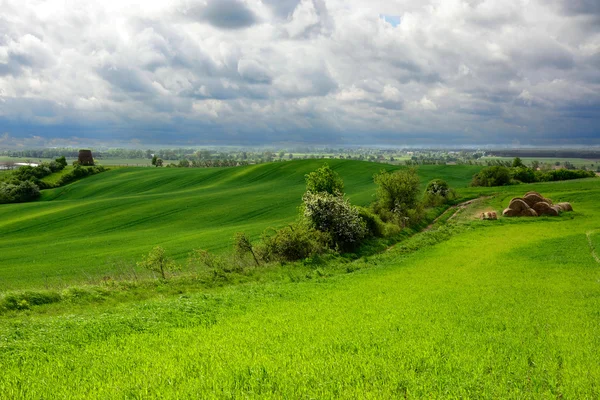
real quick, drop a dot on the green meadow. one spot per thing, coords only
(103, 224)
(467, 309)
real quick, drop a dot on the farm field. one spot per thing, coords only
(105, 223)
(469, 309)
(133, 162)
(577, 162)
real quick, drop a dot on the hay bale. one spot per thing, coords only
(518, 204)
(532, 199)
(85, 157)
(536, 193)
(565, 206)
(489, 215)
(509, 212)
(530, 212)
(543, 208)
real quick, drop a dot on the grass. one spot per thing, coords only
(101, 225)
(577, 162)
(474, 309)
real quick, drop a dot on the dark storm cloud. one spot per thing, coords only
(282, 8)
(223, 14)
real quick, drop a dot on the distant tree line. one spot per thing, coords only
(517, 172)
(24, 184)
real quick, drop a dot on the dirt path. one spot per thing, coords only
(456, 209)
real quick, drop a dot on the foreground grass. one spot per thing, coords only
(98, 227)
(477, 309)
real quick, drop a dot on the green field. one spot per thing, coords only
(469, 309)
(132, 162)
(577, 162)
(87, 229)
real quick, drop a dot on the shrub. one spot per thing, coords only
(375, 226)
(18, 193)
(523, 174)
(291, 243)
(336, 216)
(24, 300)
(242, 246)
(492, 176)
(324, 179)
(157, 261)
(397, 194)
(438, 187)
(563, 175)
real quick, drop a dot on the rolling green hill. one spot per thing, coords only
(106, 222)
(503, 309)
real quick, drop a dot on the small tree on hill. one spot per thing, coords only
(326, 180)
(333, 214)
(157, 261)
(242, 245)
(397, 193)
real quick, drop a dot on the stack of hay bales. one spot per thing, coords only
(534, 204)
(489, 215)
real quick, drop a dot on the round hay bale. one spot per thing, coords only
(543, 208)
(565, 206)
(557, 208)
(509, 212)
(518, 204)
(532, 198)
(85, 157)
(530, 212)
(536, 193)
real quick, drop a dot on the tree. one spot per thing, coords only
(159, 162)
(242, 245)
(398, 191)
(325, 180)
(157, 261)
(492, 176)
(154, 159)
(517, 163)
(334, 215)
(438, 187)
(61, 161)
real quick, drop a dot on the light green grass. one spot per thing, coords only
(500, 309)
(93, 227)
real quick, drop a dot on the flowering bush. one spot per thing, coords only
(336, 216)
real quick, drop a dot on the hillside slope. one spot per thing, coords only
(106, 222)
(501, 309)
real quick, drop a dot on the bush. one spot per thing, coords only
(492, 176)
(243, 246)
(375, 226)
(336, 216)
(324, 179)
(563, 175)
(24, 300)
(523, 174)
(294, 242)
(18, 193)
(397, 195)
(157, 261)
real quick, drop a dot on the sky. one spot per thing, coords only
(319, 72)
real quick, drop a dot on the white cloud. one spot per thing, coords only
(286, 70)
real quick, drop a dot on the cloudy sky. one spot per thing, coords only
(248, 72)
